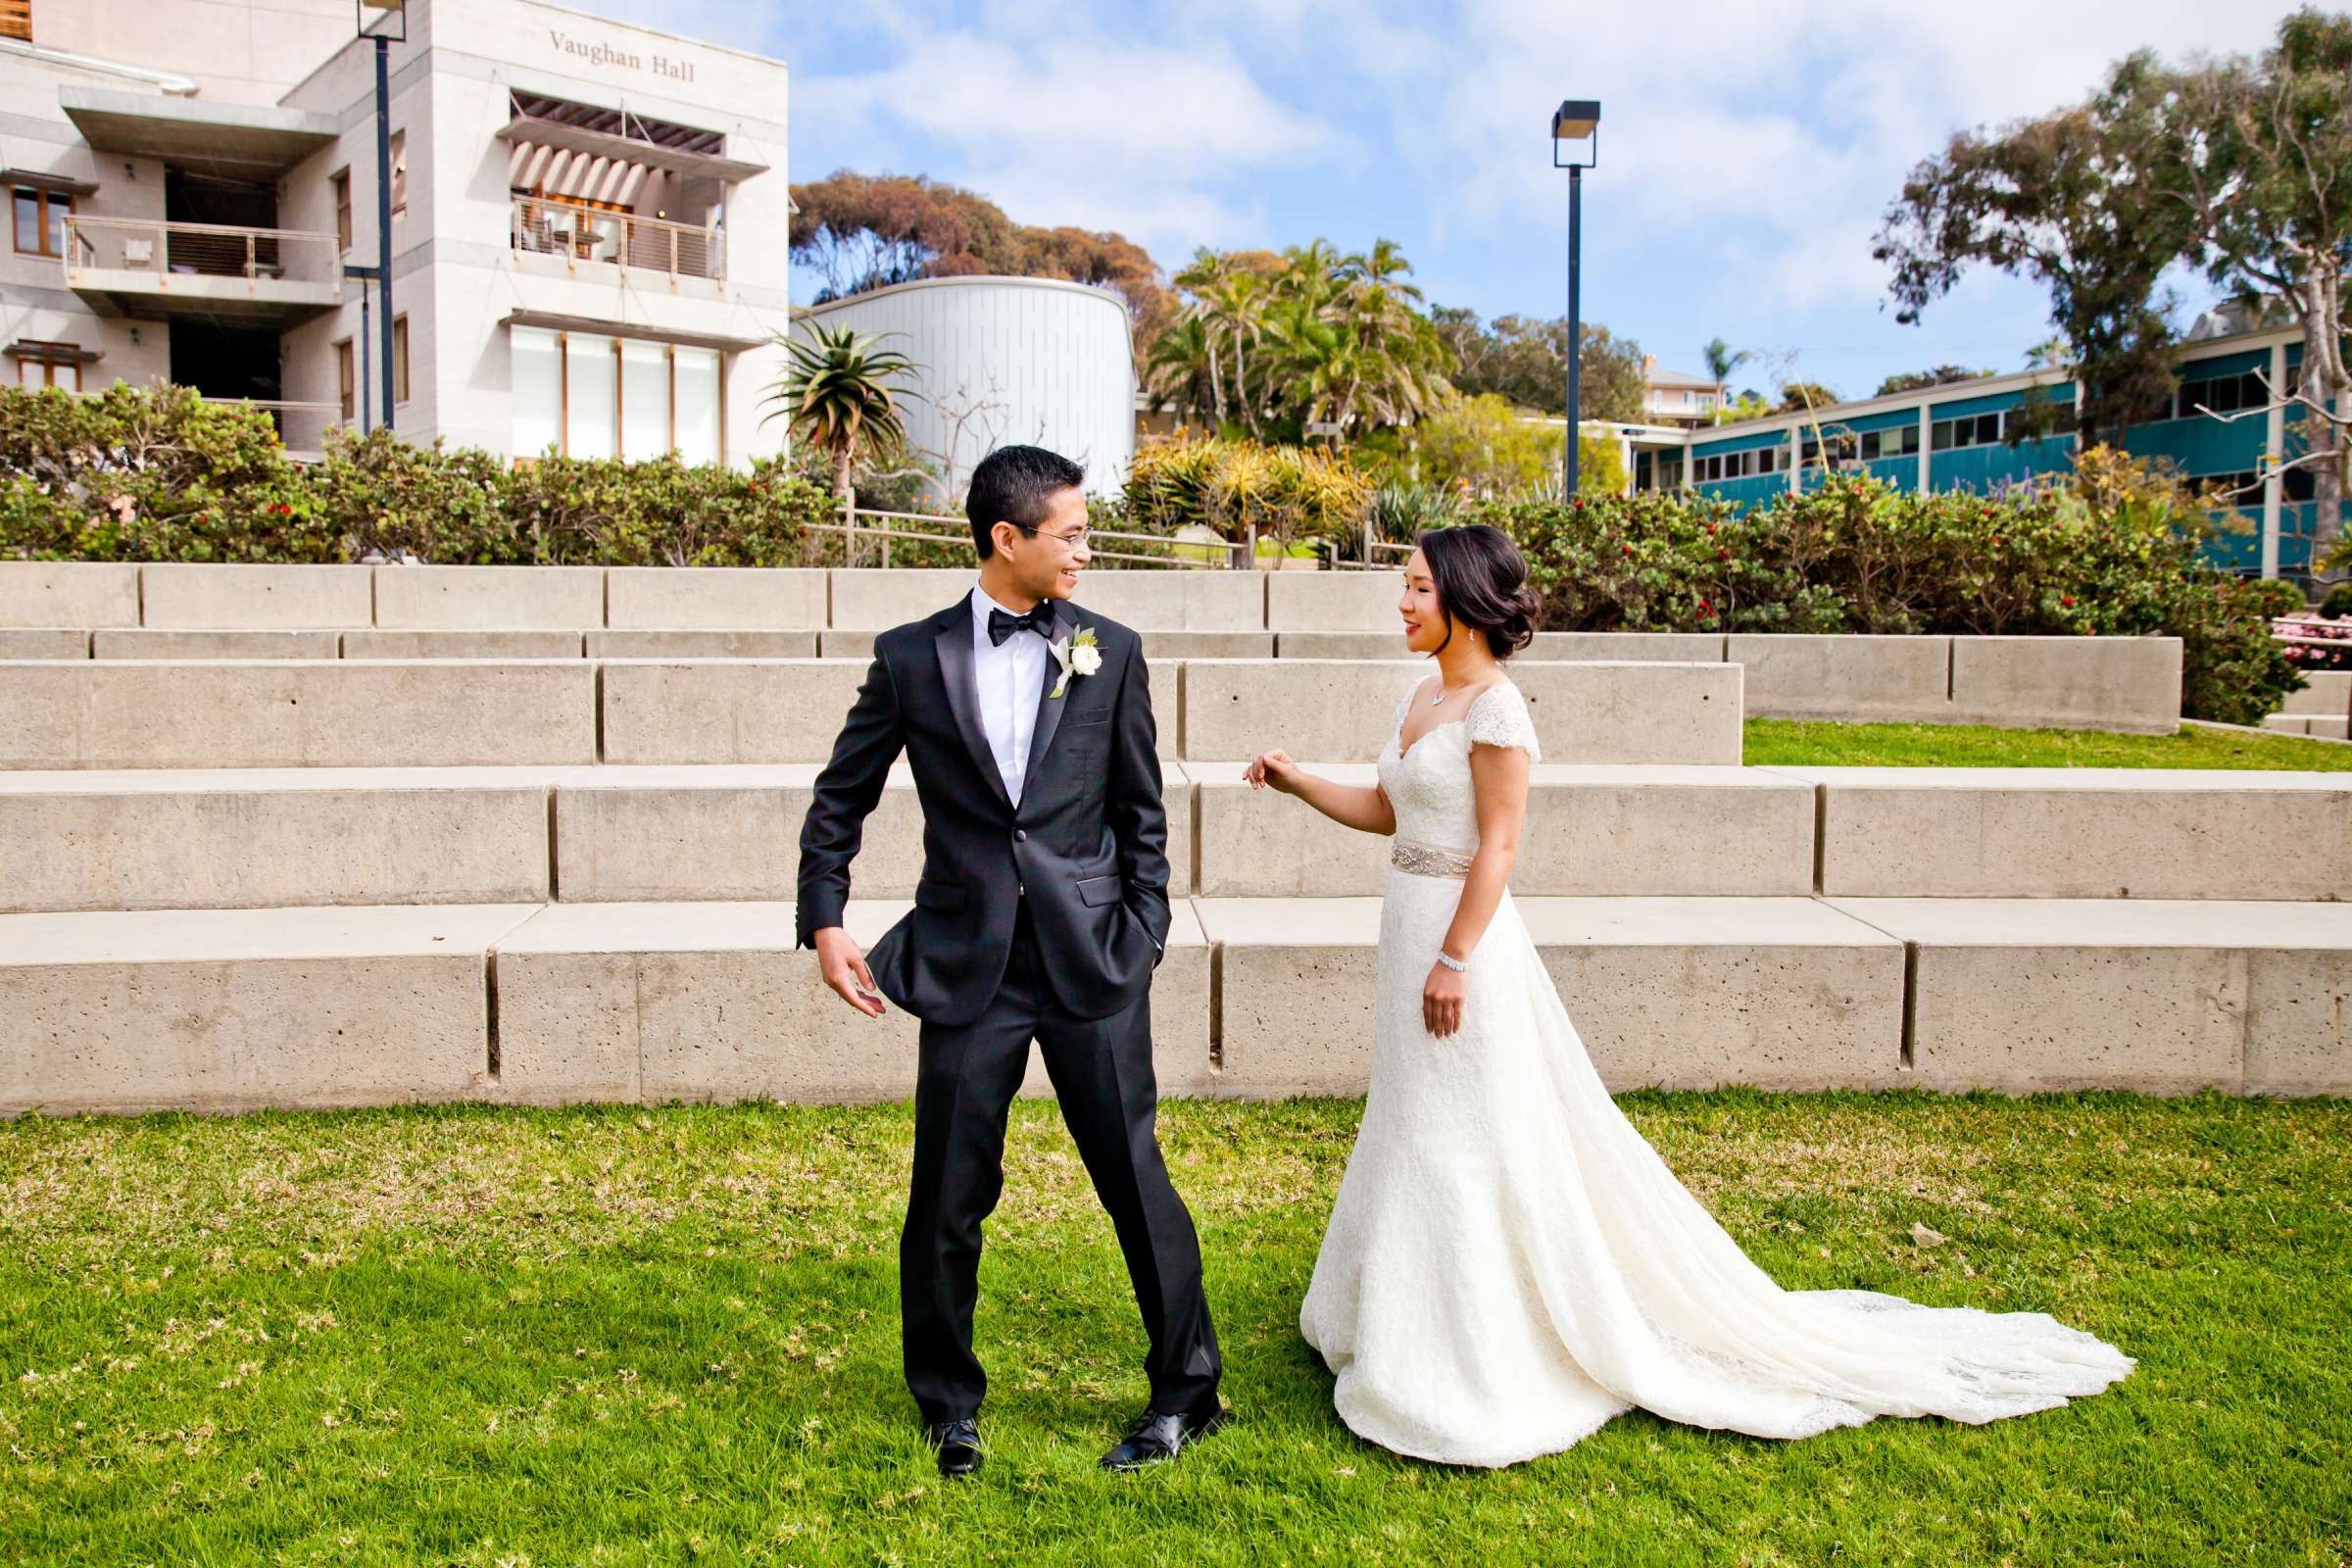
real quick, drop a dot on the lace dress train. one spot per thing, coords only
(1509, 1264)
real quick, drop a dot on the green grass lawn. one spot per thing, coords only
(482, 1335)
(1789, 743)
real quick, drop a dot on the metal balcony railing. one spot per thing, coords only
(586, 234)
(301, 426)
(201, 250)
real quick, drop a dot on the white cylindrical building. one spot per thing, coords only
(1005, 361)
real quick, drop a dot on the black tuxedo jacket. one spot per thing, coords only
(1088, 843)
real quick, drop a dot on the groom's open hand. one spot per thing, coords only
(844, 969)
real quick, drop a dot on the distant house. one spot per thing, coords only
(1676, 397)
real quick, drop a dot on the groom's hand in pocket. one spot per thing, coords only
(844, 969)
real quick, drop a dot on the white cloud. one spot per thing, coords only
(1771, 135)
(1801, 119)
(1156, 140)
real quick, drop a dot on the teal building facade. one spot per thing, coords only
(1958, 436)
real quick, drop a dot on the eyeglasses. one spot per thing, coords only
(1072, 539)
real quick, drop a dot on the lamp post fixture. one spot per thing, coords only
(387, 22)
(1578, 120)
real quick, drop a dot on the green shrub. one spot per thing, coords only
(1289, 493)
(1854, 555)
(158, 474)
(2279, 597)
(139, 475)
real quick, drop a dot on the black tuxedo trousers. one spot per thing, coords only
(1038, 921)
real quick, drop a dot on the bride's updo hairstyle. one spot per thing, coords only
(1481, 579)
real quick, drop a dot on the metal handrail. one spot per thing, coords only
(277, 405)
(852, 528)
(550, 227)
(204, 250)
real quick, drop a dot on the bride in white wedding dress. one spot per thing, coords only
(1509, 1264)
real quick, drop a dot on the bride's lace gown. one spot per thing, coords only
(1509, 1264)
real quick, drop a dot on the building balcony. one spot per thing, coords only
(587, 236)
(143, 269)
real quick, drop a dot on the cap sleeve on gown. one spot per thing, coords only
(1500, 718)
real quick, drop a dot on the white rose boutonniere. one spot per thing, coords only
(1077, 655)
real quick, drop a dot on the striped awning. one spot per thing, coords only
(584, 176)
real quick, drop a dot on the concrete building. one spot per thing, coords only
(1005, 359)
(590, 220)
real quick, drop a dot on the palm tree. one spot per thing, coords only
(1235, 303)
(1181, 366)
(835, 392)
(1723, 359)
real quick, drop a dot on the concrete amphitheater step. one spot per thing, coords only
(2157, 996)
(2017, 995)
(233, 1009)
(363, 712)
(158, 838)
(212, 1010)
(2082, 833)
(296, 713)
(1590, 830)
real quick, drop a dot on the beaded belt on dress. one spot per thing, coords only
(1429, 859)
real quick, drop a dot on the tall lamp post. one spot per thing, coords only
(1578, 120)
(387, 22)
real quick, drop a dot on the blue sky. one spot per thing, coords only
(1746, 150)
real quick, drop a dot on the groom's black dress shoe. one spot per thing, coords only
(958, 1443)
(1155, 1436)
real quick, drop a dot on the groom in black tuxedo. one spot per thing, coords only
(1041, 914)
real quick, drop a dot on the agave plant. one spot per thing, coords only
(836, 394)
(1400, 512)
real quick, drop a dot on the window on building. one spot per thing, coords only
(400, 358)
(341, 181)
(1735, 465)
(2297, 484)
(347, 382)
(40, 219)
(16, 20)
(1900, 442)
(41, 363)
(586, 395)
(1973, 430)
(2222, 394)
(400, 176)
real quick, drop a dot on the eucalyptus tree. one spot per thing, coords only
(2240, 167)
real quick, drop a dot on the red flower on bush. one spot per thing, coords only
(2068, 601)
(1628, 549)
(1577, 502)
(1723, 555)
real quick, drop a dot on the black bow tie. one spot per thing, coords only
(1038, 618)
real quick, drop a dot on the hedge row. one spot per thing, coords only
(155, 474)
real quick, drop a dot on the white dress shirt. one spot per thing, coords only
(1012, 677)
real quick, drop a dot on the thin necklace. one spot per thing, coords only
(1443, 693)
